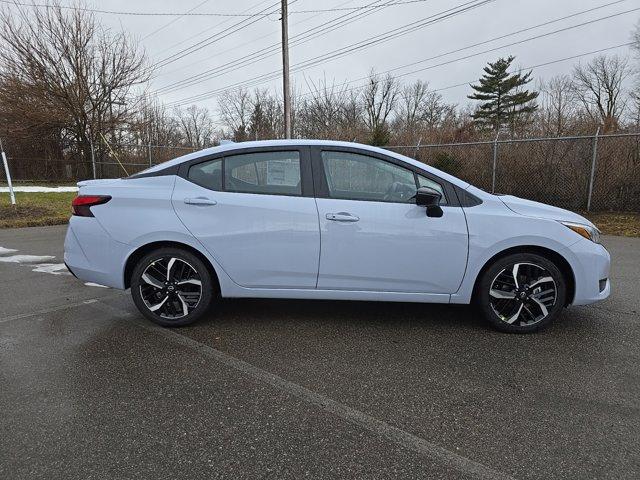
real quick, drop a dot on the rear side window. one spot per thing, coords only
(207, 174)
(274, 173)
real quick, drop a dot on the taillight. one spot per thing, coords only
(82, 204)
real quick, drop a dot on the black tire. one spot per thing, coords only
(506, 302)
(181, 289)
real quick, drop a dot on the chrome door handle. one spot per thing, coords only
(342, 217)
(199, 201)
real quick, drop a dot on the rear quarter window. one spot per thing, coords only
(207, 174)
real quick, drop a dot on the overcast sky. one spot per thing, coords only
(500, 17)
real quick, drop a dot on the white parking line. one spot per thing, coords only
(393, 434)
(48, 310)
(51, 268)
(26, 258)
(389, 432)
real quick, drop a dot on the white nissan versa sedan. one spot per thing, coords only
(328, 220)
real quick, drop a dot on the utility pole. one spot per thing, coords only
(285, 70)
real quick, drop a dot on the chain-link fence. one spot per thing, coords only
(100, 161)
(597, 172)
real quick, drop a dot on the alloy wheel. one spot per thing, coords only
(170, 287)
(523, 294)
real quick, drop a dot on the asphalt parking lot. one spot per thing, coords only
(292, 389)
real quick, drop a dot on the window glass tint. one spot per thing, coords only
(360, 177)
(264, 172)
(427, 182)
(207, 174)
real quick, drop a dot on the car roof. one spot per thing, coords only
(231, 146)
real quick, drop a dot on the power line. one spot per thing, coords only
(262, 79)
(190, 13)
(235, 47)
(255, 17)
(171, 22)
(181, 42)
(402, 30)
(362, 7)
(531, 67)
(182, 53)
(536, 37)
(270, 50)
(551, 62)
(499, 38)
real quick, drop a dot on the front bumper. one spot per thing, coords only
(591, 265)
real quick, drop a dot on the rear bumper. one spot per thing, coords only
(591, 265)
(70, 271)
(91, 255)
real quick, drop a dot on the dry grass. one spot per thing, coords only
(35, 209)
(625, 224)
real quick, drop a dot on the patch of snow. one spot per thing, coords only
(26, 258)
(52, 268)
(91, 284)
(39, 189)
(4, 250)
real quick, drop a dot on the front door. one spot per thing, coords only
(256, 215)
(374, 236)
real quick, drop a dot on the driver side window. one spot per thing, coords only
(359, 177)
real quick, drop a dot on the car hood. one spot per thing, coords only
(530, 208)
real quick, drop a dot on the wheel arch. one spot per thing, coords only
(555, 257)
(141, 251)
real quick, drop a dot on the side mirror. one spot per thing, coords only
(430, 198)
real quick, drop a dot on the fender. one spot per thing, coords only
(226, 283)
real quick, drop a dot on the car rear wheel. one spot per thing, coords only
(172, 287)
(522, 293)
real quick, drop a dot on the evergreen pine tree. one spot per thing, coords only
(502, 95)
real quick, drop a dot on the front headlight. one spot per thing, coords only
(588, 232)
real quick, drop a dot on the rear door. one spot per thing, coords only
(255, 213)
(374, 236)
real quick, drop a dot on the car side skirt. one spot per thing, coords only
(318, 294)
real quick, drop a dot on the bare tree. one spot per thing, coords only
(321, 111)
(196, 126)
(352, 124)
(266, 121)
(557, 107)
(235, 109)
(599, 87)
(419, 108)
(60, 71)
(379, 96)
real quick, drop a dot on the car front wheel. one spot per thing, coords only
(522, 293)
(172, 287)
